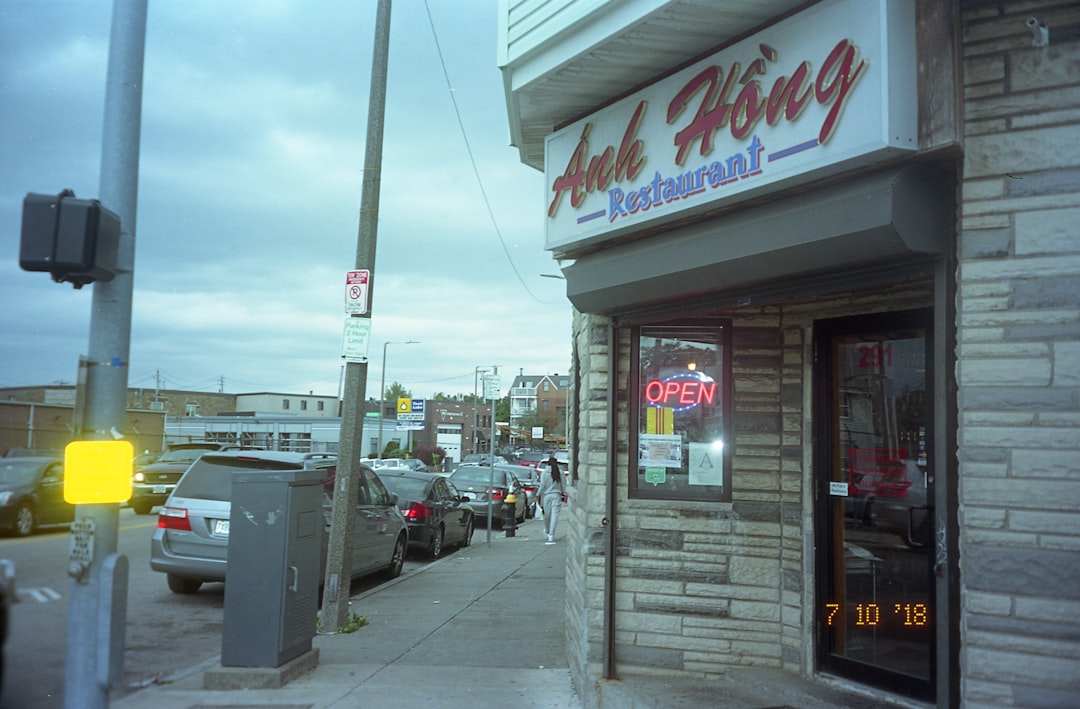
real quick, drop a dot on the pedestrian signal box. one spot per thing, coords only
(98, 472)
(75, 240)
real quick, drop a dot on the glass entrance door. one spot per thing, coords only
(875, 570)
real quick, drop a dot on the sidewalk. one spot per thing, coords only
(472, 629)
(482, 627)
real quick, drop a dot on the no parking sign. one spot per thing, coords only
(356, 292)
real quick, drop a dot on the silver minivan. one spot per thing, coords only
(191, 542)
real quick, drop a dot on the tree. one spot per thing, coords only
(397, 391)
(548, 420)
(432, 456)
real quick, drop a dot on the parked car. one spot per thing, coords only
(32, 494)
(145, 458)
(191, 542)
(480, 459)
(152, 483)
(530, 481)
(564, 468)
(529, 459)
(409, 463)
(436, 513)
(475, 484)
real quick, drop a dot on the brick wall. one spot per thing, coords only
(1019, 351)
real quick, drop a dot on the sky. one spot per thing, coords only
(254, 121)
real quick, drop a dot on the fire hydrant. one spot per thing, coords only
(509, 514)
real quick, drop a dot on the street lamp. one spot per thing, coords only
(382, 387)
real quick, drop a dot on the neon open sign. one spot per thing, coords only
(681, 392)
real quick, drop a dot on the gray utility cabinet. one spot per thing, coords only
(272, 578)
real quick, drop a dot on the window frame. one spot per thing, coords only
(720, 329)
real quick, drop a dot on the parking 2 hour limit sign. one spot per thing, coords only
(356, 292)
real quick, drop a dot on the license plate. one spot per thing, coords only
(160, 489)
(221, 527)
(470, 496)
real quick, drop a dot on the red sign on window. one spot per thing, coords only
(680, 392)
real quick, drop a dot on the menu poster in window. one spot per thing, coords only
(660, 450)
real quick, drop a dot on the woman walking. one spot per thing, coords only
(551, 494)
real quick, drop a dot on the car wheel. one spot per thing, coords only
(397, 560)
(25, 520)
(469, 528)
(530, 512)
(179, 584)
(435, 546)
(141, 508)
(524, 513)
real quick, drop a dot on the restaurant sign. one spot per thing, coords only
(824, 91)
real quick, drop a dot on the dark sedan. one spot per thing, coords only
(436, 513)
(152, 483)
(475, 483)
(32, 494)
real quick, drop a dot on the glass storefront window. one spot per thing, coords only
(681, 376)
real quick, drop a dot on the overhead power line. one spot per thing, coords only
(472, 160)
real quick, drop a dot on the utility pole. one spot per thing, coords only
(97, 607)
(335, 611)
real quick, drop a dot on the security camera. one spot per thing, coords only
(1040, 34)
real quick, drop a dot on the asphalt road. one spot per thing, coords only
(165, 632)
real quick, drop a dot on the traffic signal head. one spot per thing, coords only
(73, 239)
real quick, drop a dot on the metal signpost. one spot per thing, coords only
(491, 393)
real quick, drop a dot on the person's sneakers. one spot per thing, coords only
(550, 539)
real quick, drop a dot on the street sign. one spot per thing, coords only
(491, 386)
(354, 346)
(356, 292)
(409, 410)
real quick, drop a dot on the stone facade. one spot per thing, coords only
(1018, 335)
(692, 589)
(701, 587)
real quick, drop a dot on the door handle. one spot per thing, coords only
(295, 585)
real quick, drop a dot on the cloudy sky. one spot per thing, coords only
(253, 129)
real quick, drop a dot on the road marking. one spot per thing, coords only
(41, 595)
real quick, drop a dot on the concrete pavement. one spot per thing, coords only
(481, 627)
(472, 629)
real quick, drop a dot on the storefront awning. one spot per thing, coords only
(894, 215)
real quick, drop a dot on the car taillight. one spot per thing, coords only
(173, 518)
(417, 512)
(531, 488)
(498, 493)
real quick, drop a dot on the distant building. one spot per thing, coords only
(271, 420)
(539, 396)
